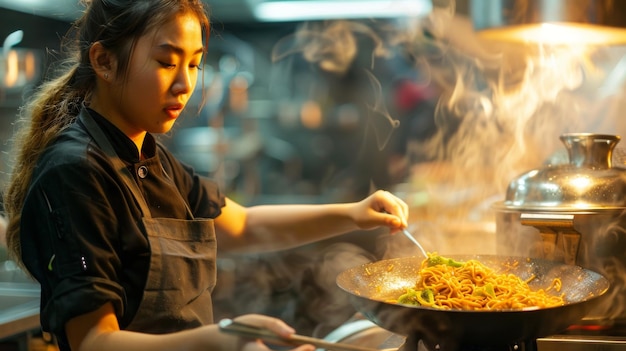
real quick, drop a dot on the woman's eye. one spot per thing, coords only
(166, 65)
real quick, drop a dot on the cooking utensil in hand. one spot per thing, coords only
(254, 332)
(412, 238)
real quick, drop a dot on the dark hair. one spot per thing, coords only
(117, 25)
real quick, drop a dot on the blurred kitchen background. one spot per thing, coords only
(273, 130)
(330, 107)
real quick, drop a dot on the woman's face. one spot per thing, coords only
(162, 74)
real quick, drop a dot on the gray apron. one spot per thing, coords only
(182, 273)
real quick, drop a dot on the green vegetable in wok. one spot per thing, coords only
(437, 260)
(485, 290)
(426, 297)
(415, 297)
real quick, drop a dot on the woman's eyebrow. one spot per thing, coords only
(173, 48)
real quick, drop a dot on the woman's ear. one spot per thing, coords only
(102, 61)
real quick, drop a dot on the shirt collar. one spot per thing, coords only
(123, 145)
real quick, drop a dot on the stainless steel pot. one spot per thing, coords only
(572, 212)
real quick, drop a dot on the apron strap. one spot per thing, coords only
(127, 177)
(187, 208)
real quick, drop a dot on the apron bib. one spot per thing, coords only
(182, 273)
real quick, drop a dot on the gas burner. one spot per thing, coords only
(591, 335)
(413, 343)
(553, 343)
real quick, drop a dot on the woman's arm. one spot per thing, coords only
(99, 331)
(271, 227)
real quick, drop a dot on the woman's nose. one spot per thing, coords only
(185, 82)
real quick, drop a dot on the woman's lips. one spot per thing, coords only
(174, 110)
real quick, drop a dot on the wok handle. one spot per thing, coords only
(254, 332)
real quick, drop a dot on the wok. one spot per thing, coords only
(370, 285)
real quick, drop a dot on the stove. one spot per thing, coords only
(563, 342)
(585, 337)
(414, 344)
(609, 336)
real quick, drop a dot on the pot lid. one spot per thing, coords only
(588, 182)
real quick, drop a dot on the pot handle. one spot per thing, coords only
(557, 231)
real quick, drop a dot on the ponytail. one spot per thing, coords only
(116, 24)
(54, 107)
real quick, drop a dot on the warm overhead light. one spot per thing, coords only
(30, 65)
(12, 72)
(556, 33)
(305, 10)
(551, 21)
(18, 66)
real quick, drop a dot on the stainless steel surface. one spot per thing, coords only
(581, 343)
(348, 329)
(594, 21)
(353, 332)
(572, 212)
(587, 183)
(556, 230)
(19, 308)
(254, 332)
(363, 332)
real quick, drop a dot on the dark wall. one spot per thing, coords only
(41, 34)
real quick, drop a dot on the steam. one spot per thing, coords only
(500, 111)
(332, 45)
(296, 287)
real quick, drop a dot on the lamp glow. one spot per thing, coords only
(281, 11)
(557, 33)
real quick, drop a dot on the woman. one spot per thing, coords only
(122, 236)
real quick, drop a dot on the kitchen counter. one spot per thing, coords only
(19, 311)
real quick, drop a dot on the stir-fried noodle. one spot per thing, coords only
(470, 285)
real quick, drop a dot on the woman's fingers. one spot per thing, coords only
(393, 205)
(275, 325)
(381, 209)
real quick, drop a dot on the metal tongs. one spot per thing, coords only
(254, 332)
(412, 238)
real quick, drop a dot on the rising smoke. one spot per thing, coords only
(499, 112)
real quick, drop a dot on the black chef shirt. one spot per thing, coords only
(81, 230)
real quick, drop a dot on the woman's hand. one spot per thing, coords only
(381, 209)
(273, 324)
(280, 227)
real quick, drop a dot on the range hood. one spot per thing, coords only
(255, 10)
(600, 22)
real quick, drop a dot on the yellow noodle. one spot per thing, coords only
(474, 286)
